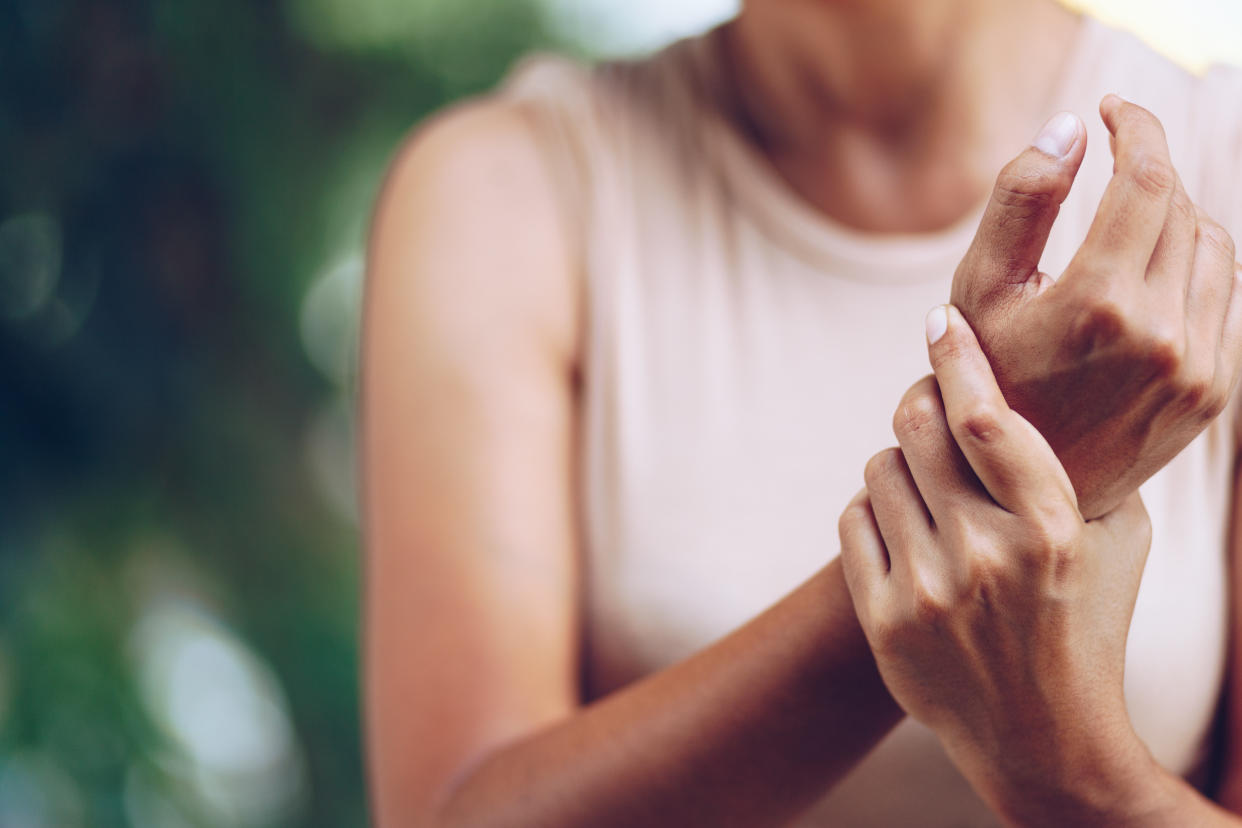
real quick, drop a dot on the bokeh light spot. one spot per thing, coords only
(36, 793)
(331, 458)
(614, 27)
(30, 255)
(329, 319)
(223, 707)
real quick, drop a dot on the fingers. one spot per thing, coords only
(864, 558)
(1014, 463)
(941, 472)
(1025, 200)
(1168, 271)
(898, 507)
(1136, 202)
(1209, 361)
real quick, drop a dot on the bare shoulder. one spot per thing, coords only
(466, 423)
(469, 219)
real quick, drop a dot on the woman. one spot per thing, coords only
(633, 333)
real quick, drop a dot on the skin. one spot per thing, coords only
(892, 116)
(470, 376)
(998, 615)
(1134, 316)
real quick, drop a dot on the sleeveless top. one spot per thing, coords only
(742, 358)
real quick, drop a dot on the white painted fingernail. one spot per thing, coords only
(1058, 135)
(937, 323)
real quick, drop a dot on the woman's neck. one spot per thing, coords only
(893, 115)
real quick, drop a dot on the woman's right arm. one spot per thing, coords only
(473, 713)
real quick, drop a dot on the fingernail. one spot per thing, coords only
(1058, 135)
(937, 323)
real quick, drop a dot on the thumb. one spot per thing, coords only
(1024, 204)
(1011, 459)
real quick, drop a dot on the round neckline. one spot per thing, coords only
(783, 214)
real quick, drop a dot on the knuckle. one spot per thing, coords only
(882, 466)
(931, 605)
(1053, 542)
(980, 422)
(953, 349)
(984, 580)
(1021, 189)
(1216, 400)
(1183, 208)
(1103, 319)
(852, 521)
(1164, 351)
(986, 569)
(977, 292)
(920, 410)
(1153, 175)
(1217, 240)
(1198, 394)
(1201, 394)
(961, 532)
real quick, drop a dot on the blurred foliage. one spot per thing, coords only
(176, 176)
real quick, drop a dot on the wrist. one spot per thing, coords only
(1111, 782)
(1097, 498)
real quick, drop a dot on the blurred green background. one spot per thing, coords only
(184, 198)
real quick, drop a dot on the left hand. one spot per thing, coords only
(1143, 330)
(997, 615)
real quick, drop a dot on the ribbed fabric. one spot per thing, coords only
(744, 354)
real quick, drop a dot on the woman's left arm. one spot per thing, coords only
(997, 615)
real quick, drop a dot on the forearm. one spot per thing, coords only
(748, 731)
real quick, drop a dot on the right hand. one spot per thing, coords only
(998, 617)
(1128, 356)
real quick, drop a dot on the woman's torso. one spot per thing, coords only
(742, 358)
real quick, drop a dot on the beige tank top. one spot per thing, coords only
(744, 354)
